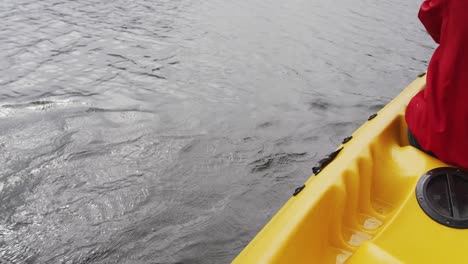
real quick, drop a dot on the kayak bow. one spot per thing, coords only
(362, 206)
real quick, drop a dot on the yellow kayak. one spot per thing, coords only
(374, 200)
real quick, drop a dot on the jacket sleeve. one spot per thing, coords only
(431, 17)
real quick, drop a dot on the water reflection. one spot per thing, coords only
(171, 131)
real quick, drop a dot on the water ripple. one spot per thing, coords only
(170, 131)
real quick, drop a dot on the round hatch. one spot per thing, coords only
(442, 193)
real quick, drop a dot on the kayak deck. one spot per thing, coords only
(362, 207)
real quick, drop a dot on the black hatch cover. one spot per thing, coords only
(443, 195)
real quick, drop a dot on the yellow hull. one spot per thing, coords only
(362, 207)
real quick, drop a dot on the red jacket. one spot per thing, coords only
(438, 115)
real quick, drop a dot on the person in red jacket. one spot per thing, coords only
(437, 117)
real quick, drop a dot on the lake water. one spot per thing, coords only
(170, 131)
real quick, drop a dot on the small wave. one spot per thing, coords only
(275, 159)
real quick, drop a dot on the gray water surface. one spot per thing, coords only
(170, 131)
